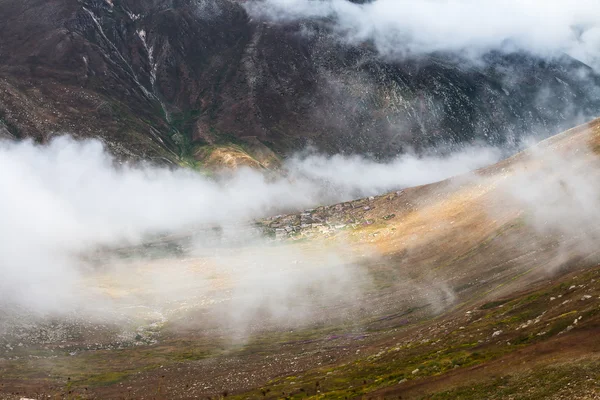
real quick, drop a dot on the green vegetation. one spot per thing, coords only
(565, 379)
(497, 329)
(390, 359)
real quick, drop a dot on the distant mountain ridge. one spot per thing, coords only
(173, 80)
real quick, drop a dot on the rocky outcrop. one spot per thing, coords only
(330, 220)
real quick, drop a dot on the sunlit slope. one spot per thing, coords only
(489, 232)
(513, 246)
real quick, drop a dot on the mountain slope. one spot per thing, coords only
(482, 283)
(167, 80)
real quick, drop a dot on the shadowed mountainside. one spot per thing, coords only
(173, 80)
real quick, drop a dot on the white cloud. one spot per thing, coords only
(64, 199)
(398, 27)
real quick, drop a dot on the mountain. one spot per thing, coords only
(485, 285)
(173, 80)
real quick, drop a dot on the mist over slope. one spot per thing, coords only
(172, 81)
(69, 198)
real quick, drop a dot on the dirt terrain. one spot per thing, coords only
(460, 289)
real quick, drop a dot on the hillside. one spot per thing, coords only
(484, 285)
(175, 81)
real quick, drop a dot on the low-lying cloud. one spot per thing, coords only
(65, 199)
(409, 27)
(355, 176)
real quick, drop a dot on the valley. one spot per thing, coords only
(452, 290)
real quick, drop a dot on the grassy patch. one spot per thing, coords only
(493, 304)
(496, 330)
(568, 380)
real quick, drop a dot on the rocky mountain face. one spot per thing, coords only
(173, 80)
